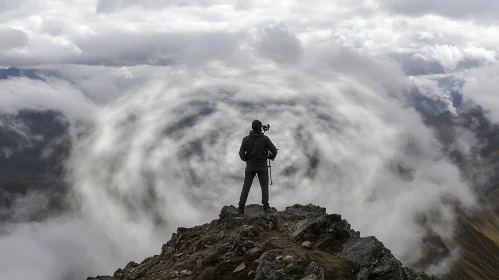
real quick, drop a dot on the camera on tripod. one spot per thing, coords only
(265, 127)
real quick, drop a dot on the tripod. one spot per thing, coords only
(269, 154)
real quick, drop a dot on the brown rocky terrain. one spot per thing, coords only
(301, 242)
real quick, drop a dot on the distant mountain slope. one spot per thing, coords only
(433, 104)
(478, 232)
(33, 148)
(479, 164)
(35, 74)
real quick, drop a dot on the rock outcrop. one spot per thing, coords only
(301, 242)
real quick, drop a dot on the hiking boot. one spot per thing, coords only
(240, 210)
(266, 208)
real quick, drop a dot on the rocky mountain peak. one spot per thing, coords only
(301, 242)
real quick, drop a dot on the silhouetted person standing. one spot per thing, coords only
(255, 152)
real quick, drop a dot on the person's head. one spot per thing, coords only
(256, 125)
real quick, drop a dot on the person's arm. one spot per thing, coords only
(272, 148)
(242, 152)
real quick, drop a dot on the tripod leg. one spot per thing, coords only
(270, 174)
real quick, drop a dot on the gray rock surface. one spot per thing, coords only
(241, 267)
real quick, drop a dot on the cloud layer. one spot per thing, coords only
(167, 155)
(482, 9)
(129, 32)
(171, 87)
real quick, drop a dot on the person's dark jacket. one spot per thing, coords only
(254, 150)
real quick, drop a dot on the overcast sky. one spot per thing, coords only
(192, 74)
(422, 37)
(432, 34)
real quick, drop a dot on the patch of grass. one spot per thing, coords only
(209, 238)
(212, 255)
(208, 274)
(334, 267)
(296, 252)
(243, 275)
(479, 243)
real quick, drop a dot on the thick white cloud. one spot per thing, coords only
(334, 107)
(6, 5)
(114, 5)
(322, 74)
(52, 27)
(23, 93)
(483, 88)
(278, 44)
(56, 250)
(150, 32)
(12, 38)
(338, 114)
(118, 49)
(479, 9)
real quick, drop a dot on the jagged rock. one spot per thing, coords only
(241, 267)
(375, 261)
(318, 225)
(272, 267)
(310, 277)
(307, 244)
(253, 253)
(301, 242)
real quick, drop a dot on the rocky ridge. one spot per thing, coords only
(301, 242)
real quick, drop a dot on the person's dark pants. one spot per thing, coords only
(263, 177)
